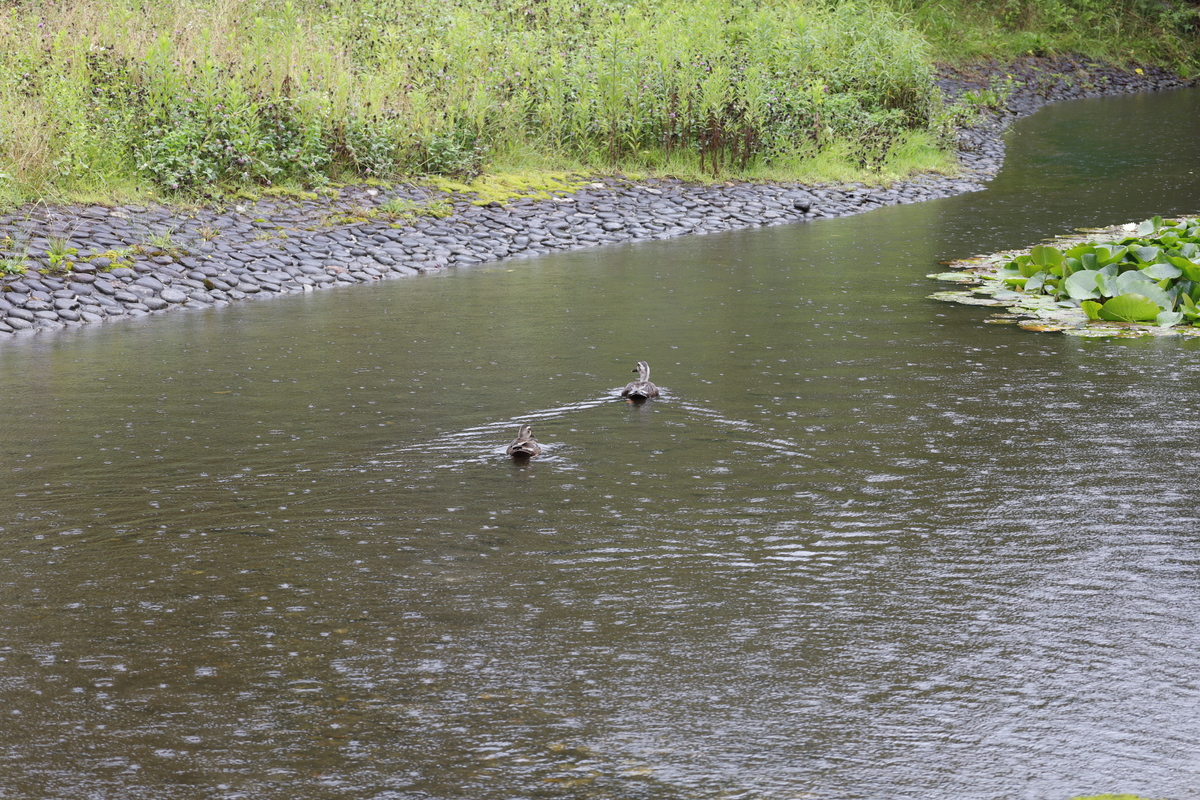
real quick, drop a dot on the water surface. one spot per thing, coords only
(866, 545)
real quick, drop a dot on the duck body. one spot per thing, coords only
(642, 388)
(524, 446)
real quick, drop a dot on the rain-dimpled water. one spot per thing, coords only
(863, 545)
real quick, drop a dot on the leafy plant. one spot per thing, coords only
(59, 254)
(457, 152)
(10, 265)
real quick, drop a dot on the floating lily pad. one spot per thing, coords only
(968, 299)
(956, 277)
(1122, 282)
(1129, 308)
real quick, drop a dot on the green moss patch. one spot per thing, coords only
(505, 187)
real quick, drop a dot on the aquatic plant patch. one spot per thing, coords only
(1126, 281)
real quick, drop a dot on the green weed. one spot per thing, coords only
(60, 254)
(13, 265)
(162, 240)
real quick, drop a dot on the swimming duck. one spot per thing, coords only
(524, 445)
(642, 387)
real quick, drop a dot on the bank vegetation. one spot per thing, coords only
(104, 99)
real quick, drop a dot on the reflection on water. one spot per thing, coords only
(864, 546)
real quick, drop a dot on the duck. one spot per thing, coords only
(524, 446)
(642, 387)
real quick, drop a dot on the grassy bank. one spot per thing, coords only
(1163, 33)
(118, 99)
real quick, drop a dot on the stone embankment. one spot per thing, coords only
(89, 264)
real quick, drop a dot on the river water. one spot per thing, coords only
(866, 545)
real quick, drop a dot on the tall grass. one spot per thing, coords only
(116, 97)
(1164, 33)
(191, 95)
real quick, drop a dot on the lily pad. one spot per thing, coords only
(955, 277)
(1082, 285)
(1158, 272)
(1130, 308)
